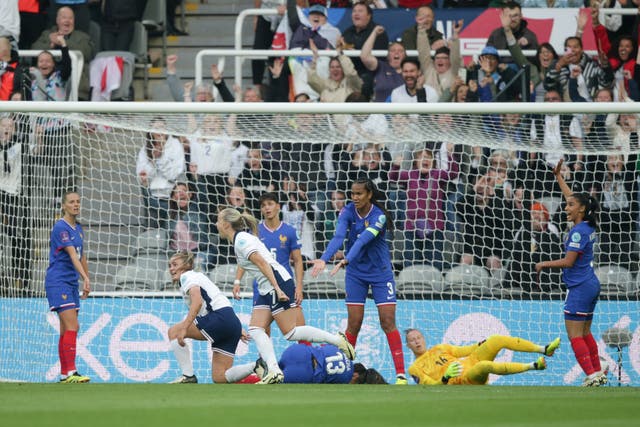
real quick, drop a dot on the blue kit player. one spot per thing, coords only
(583, 286)
(364, 223)
(67, 264)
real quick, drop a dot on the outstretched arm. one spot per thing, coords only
(367, 58)
(557, 171)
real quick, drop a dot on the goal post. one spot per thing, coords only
(470, 188)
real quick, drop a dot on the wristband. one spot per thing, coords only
(236, 282)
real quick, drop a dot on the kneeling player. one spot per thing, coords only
(470, 364)
(210, 318)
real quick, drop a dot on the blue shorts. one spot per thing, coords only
(62, 297)
(357, 290)
(271, 302)
(222, 328)
(581, 300)
(296, 363)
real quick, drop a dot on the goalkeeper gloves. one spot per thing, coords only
(453, 370)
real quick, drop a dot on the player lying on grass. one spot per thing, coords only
(210, 318)
(470, 364)
(324, 364)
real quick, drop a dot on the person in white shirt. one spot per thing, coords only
(160, 163)
(414, 89)
(277, 293)
(210, 318)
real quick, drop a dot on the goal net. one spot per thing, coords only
(470, 189)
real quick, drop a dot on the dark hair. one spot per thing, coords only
(149, 139)
(301, 95)
(444, 50)
(613, 52)
(573, 38)
(547, 46)
(511, 5)
(591, 208)
(367, 376)
(268, 196)
(365, 4)
(410, 61)
(377, 198)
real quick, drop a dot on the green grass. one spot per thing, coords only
(204, 405)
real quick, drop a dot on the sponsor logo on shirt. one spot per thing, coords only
(574, 245)
(64, 236)
(575, 237)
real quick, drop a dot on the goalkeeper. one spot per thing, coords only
(471, 364)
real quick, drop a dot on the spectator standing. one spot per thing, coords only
(33, 20)
(387, 73)
(80, 9)
(355, 37)
(117, 23)
(526, 38)
(10, 22)
(343, 78)
(425, 17)
(441, 71)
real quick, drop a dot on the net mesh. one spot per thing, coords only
(473, 197)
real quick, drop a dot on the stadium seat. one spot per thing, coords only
(96, 34)
(147, 272)
(419, 280)
(224, 275)
(615, 281)
(468, 280)
(153, 241)
(325, 285)
(140, 48)
(154, 19)
(452, 247)
(125, 91)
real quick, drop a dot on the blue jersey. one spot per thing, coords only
(61, 269)
(281, 242)
(366, 248)
(327, 364)
(580, 239)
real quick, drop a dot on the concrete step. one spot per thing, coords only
(214, 27)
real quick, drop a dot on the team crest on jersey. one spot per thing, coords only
(64, 236)
(242, 242)
(283, 240)
(366, 223)
(64, 296)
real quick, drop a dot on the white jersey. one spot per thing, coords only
(244, 245)
(213, 299)
(211, 155)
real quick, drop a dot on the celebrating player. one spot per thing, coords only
(67, 264)
(583, 286)
(282, 241)
(276, 290)
(368, 264)
(471, 364)
(211, 318)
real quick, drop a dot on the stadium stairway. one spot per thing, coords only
(210, 25)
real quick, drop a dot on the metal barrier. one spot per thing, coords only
(240, 54)
(77, 64)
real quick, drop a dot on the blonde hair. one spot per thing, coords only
(187, 258)
(64, 197)
(239, 221)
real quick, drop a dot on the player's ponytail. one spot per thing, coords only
(239, 221)
(377, 198)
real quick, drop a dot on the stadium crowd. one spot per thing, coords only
(494, 202)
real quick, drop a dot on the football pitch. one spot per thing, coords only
(119, 405)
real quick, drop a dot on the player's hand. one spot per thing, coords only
(281, 295)
(558, 169)
(86, 288)
(181, 333)
(454, 370)
(236, 291)
(318, 266)
(338, 266)
(539, 267)
(245, 337)
(298, 295)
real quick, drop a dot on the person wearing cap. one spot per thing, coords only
(318, 29)
(493, 77)
(535, 241)
(441, 71)
(526, 38)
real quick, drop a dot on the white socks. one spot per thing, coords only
(183, 355)
(239, 372)
(265, 347)
(311, 334)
